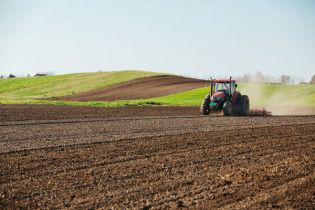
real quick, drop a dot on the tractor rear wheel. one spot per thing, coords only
(227, 108)
(205, 106)
(243, 106)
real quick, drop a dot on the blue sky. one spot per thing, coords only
(189, 37)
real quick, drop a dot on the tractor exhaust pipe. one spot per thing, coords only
(230, 85)
(211, 87)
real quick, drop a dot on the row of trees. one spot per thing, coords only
(259, 77)
(2, 76)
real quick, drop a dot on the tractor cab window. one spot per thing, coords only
(224, 87)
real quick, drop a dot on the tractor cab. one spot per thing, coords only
(222, 90)
(222, 87)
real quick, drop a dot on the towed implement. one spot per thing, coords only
(224, 97)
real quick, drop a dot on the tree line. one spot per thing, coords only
(260, 77)
(3, 76)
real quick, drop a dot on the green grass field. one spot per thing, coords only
(37, 90)
(26, 90)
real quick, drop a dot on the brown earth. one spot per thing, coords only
(152, 162)
(141, 88)
(52, 112)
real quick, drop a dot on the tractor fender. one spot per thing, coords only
(235, 95)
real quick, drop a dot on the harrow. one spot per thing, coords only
(259, 112)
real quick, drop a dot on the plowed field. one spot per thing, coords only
(152, 162)
(147, 87)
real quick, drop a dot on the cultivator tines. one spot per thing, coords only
(259, 112)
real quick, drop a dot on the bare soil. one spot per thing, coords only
(141, 88)
(52, 112)
(156, 162)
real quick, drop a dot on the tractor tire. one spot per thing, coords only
(205, 106)
(227, 108)
(236, 106)
(243, 106)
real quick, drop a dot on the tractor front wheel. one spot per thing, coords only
(227, 108)
(205, 106)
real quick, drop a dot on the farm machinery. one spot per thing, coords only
(224, 97)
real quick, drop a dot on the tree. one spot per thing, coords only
(246, 78)
(259, 77)
(11, 76)
(284, 79)
(1, 77)
(313, 80)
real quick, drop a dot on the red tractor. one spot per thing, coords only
(223, 96)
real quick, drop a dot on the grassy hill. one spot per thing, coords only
(37, 90)
(21, 90)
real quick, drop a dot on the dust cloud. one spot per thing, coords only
(277, 102)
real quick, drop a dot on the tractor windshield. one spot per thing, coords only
(222, 87)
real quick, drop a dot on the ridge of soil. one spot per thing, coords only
(141, 88)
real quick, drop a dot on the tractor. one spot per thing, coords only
(223, 96)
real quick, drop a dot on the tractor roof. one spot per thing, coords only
(222, 81)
